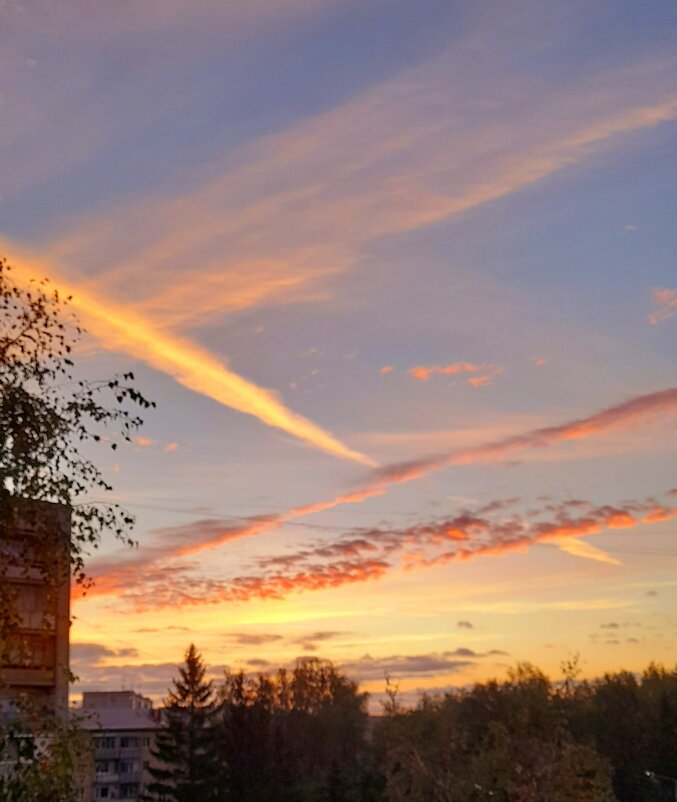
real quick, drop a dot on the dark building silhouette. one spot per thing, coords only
(35, 596)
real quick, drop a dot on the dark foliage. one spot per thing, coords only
(305, 736)
(186, 767)
(42, 758)
(633, 723)
(526, 740)
(48, 416)
(298, 736)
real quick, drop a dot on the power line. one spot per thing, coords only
(122, 643)
(265, 509)
(232, 516)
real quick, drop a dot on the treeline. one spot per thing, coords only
(296, 736)
(304, 735)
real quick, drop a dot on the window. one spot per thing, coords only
(103, 792)
(129, 741)
(104, 742)
(30, 650)
(129, 790)
(101, 766)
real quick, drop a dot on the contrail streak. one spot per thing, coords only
(211, 534)
(192, 366)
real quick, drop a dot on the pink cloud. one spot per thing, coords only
(485, 374)
(424, 372)
(665, 304)
(175, 542)
(362, 555)
(625, 415)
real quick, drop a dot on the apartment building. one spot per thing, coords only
(123, 725)
(35, 598)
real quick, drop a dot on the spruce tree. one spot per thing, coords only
(184, 753)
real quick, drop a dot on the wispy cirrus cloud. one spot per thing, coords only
(112, 575)
(624, 415)
(268, 221)
(665, 304)
(192, 366)
(579, 548)
(57, 118)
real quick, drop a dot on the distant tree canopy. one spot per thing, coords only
(295, 736)
(303, 735)
(527, 740)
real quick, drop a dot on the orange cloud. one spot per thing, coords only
(365, 554)
(262, 223)
(386, 169)
(182, 541)
(119, 328)
(144, 442)
(171, 447)
(485, 377)
(579, 548)
(563, 531)
(387, 369)
(424, 372)
(626, 415)
(665, 301)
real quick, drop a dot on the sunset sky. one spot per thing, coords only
(402, 280)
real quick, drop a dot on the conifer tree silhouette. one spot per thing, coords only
(185, 770)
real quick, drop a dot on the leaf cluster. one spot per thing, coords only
(43, 758)
(48, 416)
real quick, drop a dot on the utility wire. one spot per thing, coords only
(335, 528)
(119, 642)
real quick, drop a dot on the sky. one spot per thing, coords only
(402, 280)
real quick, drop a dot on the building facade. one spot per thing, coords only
(35, 602)
(123, 726)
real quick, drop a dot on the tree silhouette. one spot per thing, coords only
(295, 736)
(185, 746)
(47, 415)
